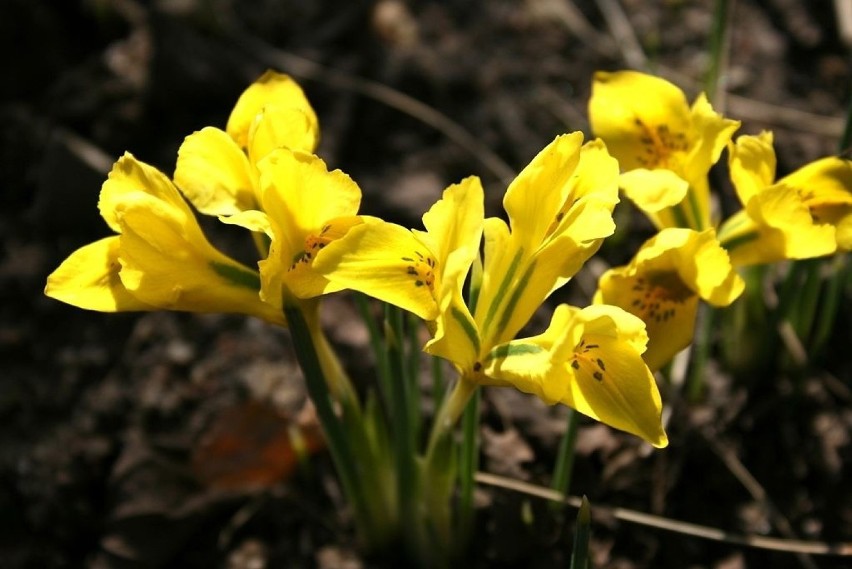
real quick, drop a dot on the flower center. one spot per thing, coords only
(657, 296)
(586, 358)
(660, 146)
(422, 269)
(313, 243)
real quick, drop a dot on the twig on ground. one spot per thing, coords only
(755, 489)
(667, 524)
(623, 34)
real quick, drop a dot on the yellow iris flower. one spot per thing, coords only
(663, 283)
(159, 258)
(788, 219)
(217, 170)
(559, 209)
(303, 208)
(664, 146)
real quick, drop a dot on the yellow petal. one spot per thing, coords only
(214, 173)
(301, 194)
(775, 225)
(536, 196)
(167, 262)
(270, 89)
(130, 177)
(611, 382)
(277, 127)
(662, 301)
(385, 261)
(253, 220)
(526, 271)
(595, 366)
(309, 207)
(662, 285)
(825, 187)
(89, 279)
(654, 191)
(644, 120)
(751, 161)
(712, 134)
(454, 229)
(456, 337)
(300, 277)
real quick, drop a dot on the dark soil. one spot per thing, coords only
(108, 453)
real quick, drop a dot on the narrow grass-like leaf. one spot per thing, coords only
(580, 555)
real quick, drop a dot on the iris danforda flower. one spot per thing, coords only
(303, 208)
(159, 259)
(806, 214)
(559, 210)
(663, 283)
(664, 146)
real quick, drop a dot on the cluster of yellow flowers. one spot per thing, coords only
(261, 174)
(665, 149)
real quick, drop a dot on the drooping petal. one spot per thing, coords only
(662, 301)
(271, 89)
(825, 187)
(214, 174)
(663, 283)
(751, 161)
(89, 279)
(775, 225)
(653, 191)
(167, 262)
(594, 366)
(130, 177)
(385, 261)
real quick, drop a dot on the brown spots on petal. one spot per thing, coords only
(659, 146)
(422, 269)
(658, 296)
(588, 360)
(313, 243)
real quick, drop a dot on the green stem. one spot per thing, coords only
(338, 443)
(449, 412)
(700, 353)
(830, 303)
(565, 459)
(468, 463)
(402, 423)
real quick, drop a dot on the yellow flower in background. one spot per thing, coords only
(304, 208)
(825, 187)
(665, 147)
(160, 259)
(217, 170)
(663, 283)
(560, 208)
(780, 220)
